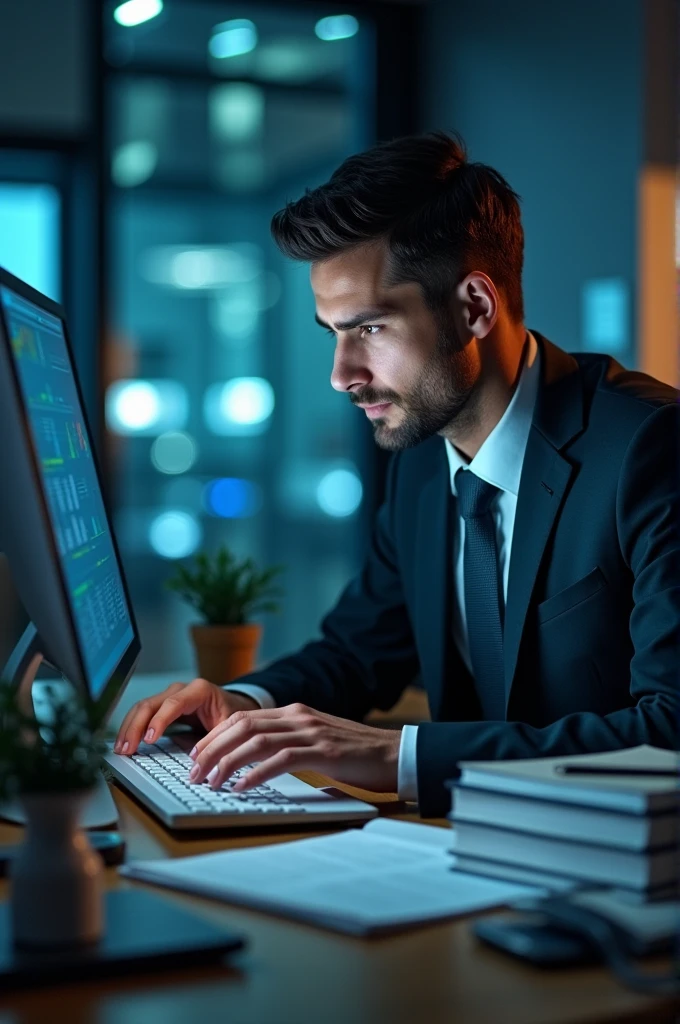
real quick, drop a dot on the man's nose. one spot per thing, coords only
(349, 371)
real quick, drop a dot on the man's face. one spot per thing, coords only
(408, 369)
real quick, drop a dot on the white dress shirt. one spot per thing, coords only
(499, 462)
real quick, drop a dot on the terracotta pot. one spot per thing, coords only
(223, 653)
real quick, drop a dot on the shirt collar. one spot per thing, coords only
(499, 460)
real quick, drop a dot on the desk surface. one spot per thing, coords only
(292, 973)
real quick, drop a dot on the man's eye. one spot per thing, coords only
(373, 328)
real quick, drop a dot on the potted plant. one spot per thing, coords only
(227, 593)
(51, 767)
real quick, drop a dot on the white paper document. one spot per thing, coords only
(384, 877)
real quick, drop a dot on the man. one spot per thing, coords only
(526, 560)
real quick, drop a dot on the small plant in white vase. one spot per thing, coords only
(51, 767)
(227, 593)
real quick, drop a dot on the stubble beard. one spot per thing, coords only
(439, 397)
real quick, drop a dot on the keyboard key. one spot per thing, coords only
(169, 765)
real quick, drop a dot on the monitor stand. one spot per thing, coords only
(100, 810)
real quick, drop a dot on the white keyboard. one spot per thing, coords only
(158, 775)
(169, 765)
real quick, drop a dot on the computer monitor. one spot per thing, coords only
(54, 527)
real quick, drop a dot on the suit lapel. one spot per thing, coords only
(545, 477)
(546, 473)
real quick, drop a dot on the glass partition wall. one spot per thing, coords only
(221, 422)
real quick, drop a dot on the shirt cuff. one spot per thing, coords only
(257, 693)
(407, 773)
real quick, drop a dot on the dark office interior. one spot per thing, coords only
(144, 148)
(113, 148)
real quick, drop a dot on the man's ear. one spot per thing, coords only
(478, 304)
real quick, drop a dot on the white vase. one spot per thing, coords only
(56, 876)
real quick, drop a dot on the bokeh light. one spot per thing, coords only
(133, 406)
(339, 493)
(242, 405)
(133, 163)
(173, 452)
(233, 38)
(339, 26)
(247, 400)
(146, 406)
(175, 534)
(236, 111)
(232, 498)
(135, 12)
(201, 267)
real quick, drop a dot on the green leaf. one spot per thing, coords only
(223, 589)
(62, 756)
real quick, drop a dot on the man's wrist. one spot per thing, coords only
(242, 702)
(262, 697)
(392, 755)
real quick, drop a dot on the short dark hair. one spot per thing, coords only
(440, 215)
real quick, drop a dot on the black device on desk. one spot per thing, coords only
(558, 932)
(143, 933)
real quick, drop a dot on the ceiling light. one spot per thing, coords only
(134, 12)
(342, 26)
(233, 38)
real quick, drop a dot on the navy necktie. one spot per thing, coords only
(483, 595)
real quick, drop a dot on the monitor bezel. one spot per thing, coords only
(105, 702)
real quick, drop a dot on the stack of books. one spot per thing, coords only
(607, 819)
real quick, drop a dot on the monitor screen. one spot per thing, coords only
(87, 556)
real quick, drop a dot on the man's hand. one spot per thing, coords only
(296, 738)
(199, 703)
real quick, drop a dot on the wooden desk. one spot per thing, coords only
(296, 974)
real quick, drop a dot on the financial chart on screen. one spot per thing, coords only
(69, 479)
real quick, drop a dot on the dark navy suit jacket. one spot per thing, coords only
(592, 619)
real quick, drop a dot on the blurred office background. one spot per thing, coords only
(144, 147)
